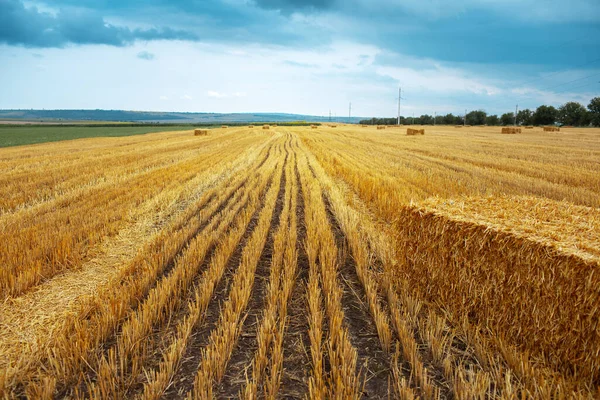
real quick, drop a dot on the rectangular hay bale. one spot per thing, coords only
(200, 132)
(412, 132)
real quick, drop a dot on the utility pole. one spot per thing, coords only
(399, 98)
(516, 112)
(350, 112)
(465, 119)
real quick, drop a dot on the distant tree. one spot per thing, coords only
(439, 120)
(476, 117)
(594, 111)
(525, 117)
(507, 119)
(545, 115)
(572, 113)
(426, 119)
(448, 119)
(492, 120)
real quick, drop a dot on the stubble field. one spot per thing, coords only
(290, 262)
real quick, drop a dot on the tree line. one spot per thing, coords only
(571, 114)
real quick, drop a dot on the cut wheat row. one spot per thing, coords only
(269, 355)
(433, 330)
(223, 338)
(113, 303)
(116, 376)
(160, 377)
(42, 179)
(41, 246)
(463, 379)
(343, 380)
(378, 195)
(16, 360)
(349, 221)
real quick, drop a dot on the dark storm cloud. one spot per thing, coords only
(32, 28)
(463, 31)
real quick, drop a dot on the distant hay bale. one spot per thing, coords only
(458, 126)
(567, 126)
(200, 132)
(313, 126)
(413, 132)
(266, 127)
(333, 126)
(380, 126)
(509, 130)
(551, 129)
(529, 127)
(364, 126)
(250, 126)
(274, 125)
(224, 126)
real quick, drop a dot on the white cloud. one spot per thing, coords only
(215, 94)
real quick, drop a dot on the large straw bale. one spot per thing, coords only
(511, 130)
(251, 126)
(551, 129)
(200, 132)
(523, 267)
(410, 131)
(380, 127)
(266, 127)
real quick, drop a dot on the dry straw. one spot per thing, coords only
(200, 132)
(511, 130)
(529, 127)
(550, 273)
(380, 127)
(313, 127)
(250, 126)
(551, 129)
(266, 127)
(412, 132)
(224, 126)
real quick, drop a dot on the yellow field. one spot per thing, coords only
(302, 262)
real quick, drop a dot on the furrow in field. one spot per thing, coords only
(38, 252)
(266, 364)
(50, 178)
(343, 379)
(222, 340)
(296, 342)
(270, 260)
(135, 342)
(97, 316)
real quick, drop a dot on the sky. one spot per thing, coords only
(299, 56)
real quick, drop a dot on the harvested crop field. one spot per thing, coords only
(302, 262)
